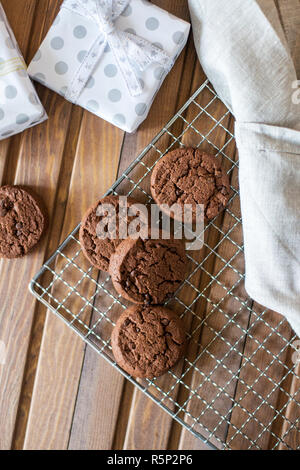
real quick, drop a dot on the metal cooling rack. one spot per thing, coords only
(237, 387)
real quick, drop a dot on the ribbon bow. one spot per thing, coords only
(132, 53)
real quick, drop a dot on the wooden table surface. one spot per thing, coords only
(46, 401)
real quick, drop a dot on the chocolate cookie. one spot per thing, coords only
(23, 220)
(190, 176)
(147, 341)
(96, 247)
(147, 271)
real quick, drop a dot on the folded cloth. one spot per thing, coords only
(247, 60)
(20, 106)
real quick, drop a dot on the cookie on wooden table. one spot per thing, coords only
(23, 220)
(190, 176)
(148, 340)
(148, 271)
(96, 249)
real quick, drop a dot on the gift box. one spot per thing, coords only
(110, 56)
(20, 106)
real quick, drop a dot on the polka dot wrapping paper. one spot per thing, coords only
(20, 106)
(70, 40)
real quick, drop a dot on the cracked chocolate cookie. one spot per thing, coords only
(147, 341)
(23, 220)
(147, 271)
(190, 176)
(98, 247)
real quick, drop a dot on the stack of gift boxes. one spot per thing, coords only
(108, 56)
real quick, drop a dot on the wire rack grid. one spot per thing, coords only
(237, 387)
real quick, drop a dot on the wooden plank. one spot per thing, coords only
(270, 9)
(88, 430)
(20, 271)
(290, 434)
(189, 442)
(96, 160)
(289, 11)
(32, 157)
(22, 25)
(40, 311)
(123, 416)
(260, 384)
(18, 305)
(39, 26)
(4, 149)
(20, 17)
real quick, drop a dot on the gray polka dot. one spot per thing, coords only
(61, 68)
(114, 95)
(107, 48)
(159, 45)
(57, 43)
(131, 31)
(37, 56)
(140, 109)
(63, 91)
(22, 73)
(10, 92)
(7, 133)
(178, 37)
(119, 119)
(90, 82)
(57, 20)
(2, 114)
(33, 99)
(159, 72)
(22, 119)
(127, 11)
(92, 105)
(9, 43)
(152, 24)
(40, 77)
(79, 32)
(81, 55)
(110, 70)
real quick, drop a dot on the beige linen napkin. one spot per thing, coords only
(242, 49)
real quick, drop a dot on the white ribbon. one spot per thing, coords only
(132, 53)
